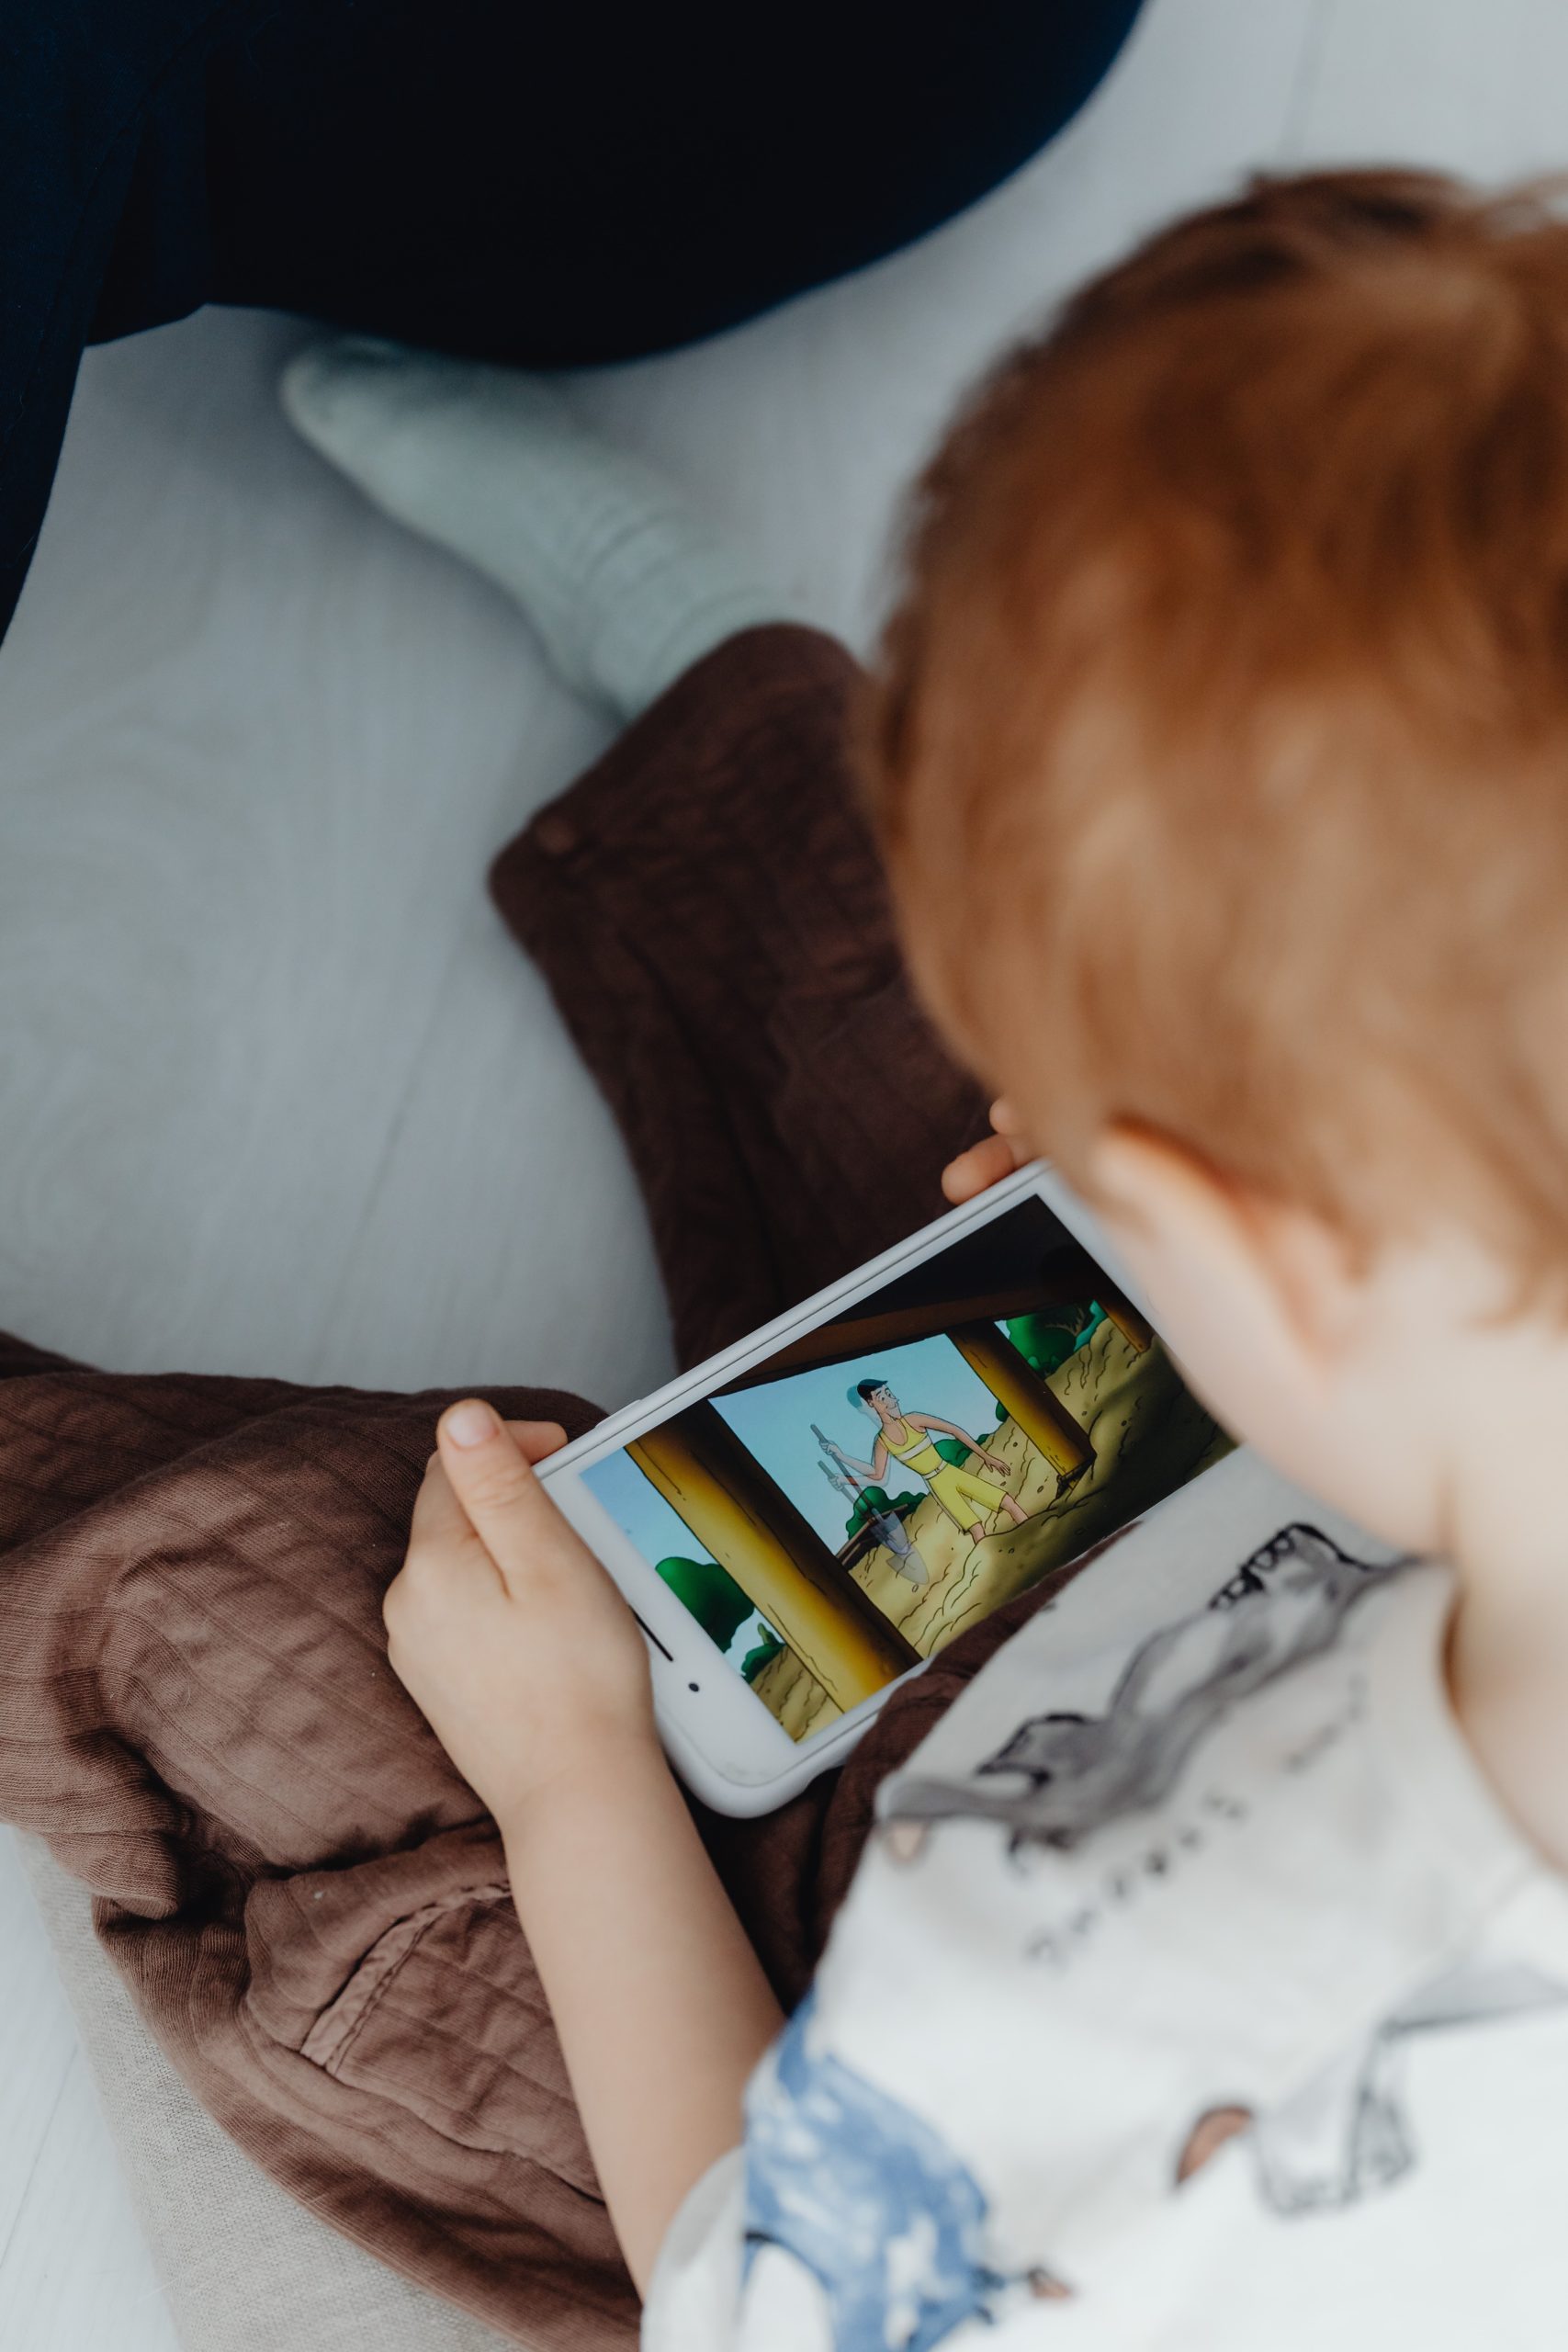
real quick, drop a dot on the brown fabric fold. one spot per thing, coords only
(196, 1708)
(710, 910)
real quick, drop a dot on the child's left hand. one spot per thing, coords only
(503, 1627)
(987, 1163)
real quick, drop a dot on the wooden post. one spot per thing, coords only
(1014, 1382)
(1135, 1329)
(776, 1556)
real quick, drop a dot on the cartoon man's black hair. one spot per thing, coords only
(868, 1388)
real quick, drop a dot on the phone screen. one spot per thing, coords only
(890, 1477)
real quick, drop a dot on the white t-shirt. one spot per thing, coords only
(1193, 1992)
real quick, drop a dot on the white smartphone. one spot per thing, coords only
(808, 1519)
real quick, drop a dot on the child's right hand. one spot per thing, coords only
(504, 1629)
(985, 1164)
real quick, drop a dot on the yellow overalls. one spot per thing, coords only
(962, 1496)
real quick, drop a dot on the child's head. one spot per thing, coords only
(1221, 753)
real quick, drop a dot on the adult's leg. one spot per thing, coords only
(103, 209)
(540, 187)
(554, 187)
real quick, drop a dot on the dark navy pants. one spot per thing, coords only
(547, 186)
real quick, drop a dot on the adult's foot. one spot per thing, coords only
(625, 584)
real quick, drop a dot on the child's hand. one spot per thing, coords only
(503, 1627)
(985, 1164)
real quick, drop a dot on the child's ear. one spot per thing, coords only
(1230, 1273)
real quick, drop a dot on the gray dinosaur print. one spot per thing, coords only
(1284, 1604)
(1347, 2133)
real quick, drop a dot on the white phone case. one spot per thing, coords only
(720, 1737)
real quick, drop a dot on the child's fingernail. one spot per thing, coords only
(471, 1424)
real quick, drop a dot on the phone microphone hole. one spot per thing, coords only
(693, 1686)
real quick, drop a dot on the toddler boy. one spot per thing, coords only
(1207, 1980)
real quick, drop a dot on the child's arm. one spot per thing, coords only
(661, 2007)
(534, 1676)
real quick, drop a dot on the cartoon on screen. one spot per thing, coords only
(844, 1510)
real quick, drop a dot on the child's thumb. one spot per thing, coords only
(492, 1478)
(538, 1440)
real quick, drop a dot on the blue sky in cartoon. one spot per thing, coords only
(774, 1422)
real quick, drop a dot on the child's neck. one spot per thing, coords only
(1508, 1520)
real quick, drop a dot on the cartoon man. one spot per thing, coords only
(908, 1437)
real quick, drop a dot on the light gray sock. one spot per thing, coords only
(626, 586)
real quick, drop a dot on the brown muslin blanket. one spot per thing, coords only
(196, 1709)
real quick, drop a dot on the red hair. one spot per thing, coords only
(1221, 734)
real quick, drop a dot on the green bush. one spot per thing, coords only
(1046, 1340)
(711, 1594)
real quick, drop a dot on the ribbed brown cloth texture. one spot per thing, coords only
(196, 1709)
